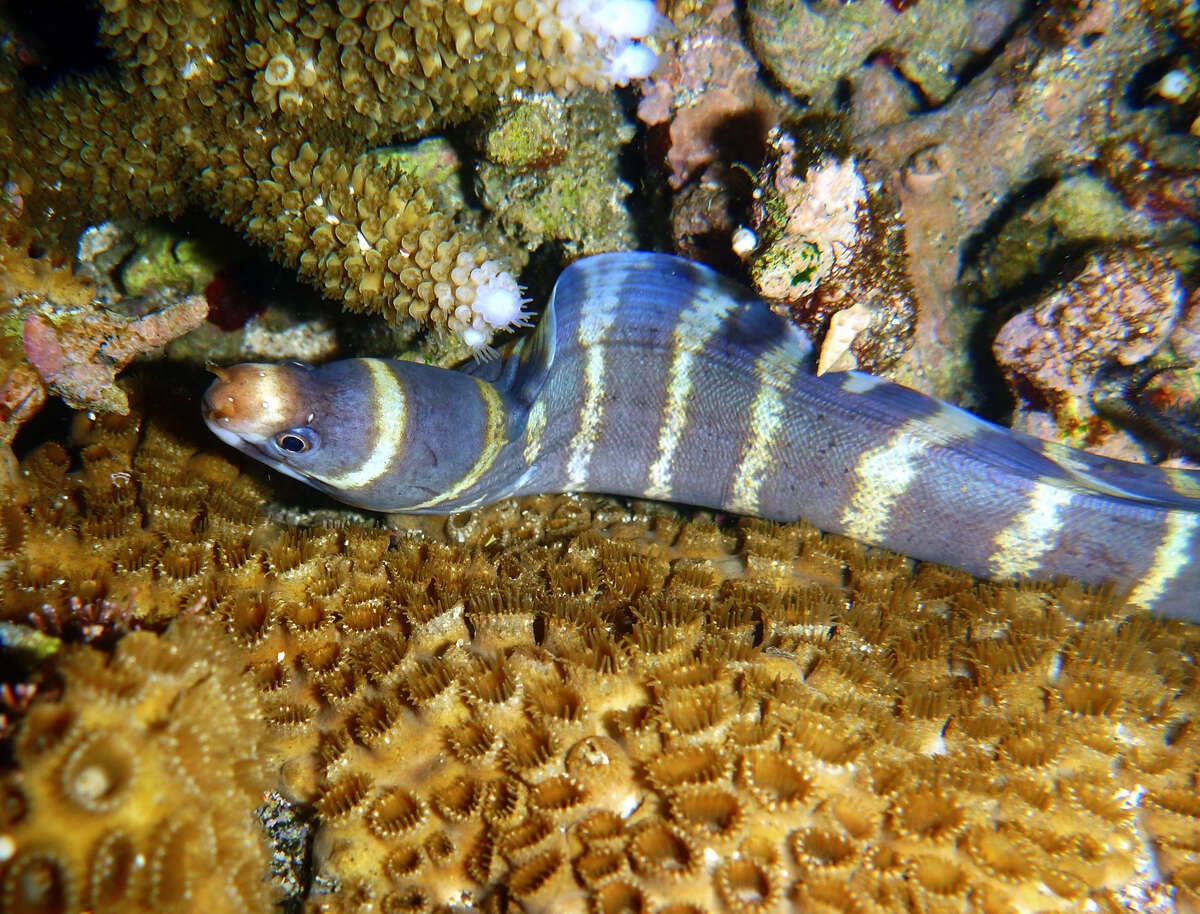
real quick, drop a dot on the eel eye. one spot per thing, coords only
(294, 441)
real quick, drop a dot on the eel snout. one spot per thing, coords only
(255, 400)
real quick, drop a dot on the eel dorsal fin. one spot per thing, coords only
(527, 368)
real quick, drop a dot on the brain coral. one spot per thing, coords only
(135, 788)
(565, 704)
(264, 114)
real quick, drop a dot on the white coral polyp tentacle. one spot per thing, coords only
(498, 299)
(490, 300)
(623, 20)
(616, 27)
(636, 61)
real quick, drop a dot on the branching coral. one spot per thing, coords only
(265, 115)
(79, 354)
(574, 706)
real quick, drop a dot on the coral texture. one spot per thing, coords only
(706, 88)
(542, 187)
(961, 119)
(57, 338)
(811, 46)
(566, 705)
(264, 116)
(1051, 102)
(827, 247)
(1122, 306)
(136, 786)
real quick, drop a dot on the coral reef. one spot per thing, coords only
(265, 117)
(1159, 401)
(56, 338)
(826, 246)
(570, 703)
(705, 90)
(565, 704)
(1049, 99)
(135, 787)
(1049, 103)
(809, 46)
(1078, 213)
(1122, 305)
(542, 187)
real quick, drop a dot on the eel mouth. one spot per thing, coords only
(221, 402)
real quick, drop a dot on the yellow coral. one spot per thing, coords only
(266, 116)
(573, 706)
(135, 789)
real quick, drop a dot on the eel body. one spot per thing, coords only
(655, 377)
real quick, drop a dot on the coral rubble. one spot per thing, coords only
(563, 704)
(264, 114)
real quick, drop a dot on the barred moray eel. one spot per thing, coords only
(652, 376)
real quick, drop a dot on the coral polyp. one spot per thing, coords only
(494, 713)
(137, 786)
(266, 117)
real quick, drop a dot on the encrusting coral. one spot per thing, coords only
(563, 704)
(135, 787)
(264, 114)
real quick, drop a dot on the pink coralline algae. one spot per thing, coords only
(1122, 306)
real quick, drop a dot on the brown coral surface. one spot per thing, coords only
(564, 704)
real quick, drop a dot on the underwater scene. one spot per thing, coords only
(611, 457)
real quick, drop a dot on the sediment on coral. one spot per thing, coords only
(265, 117)
(573, 704)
